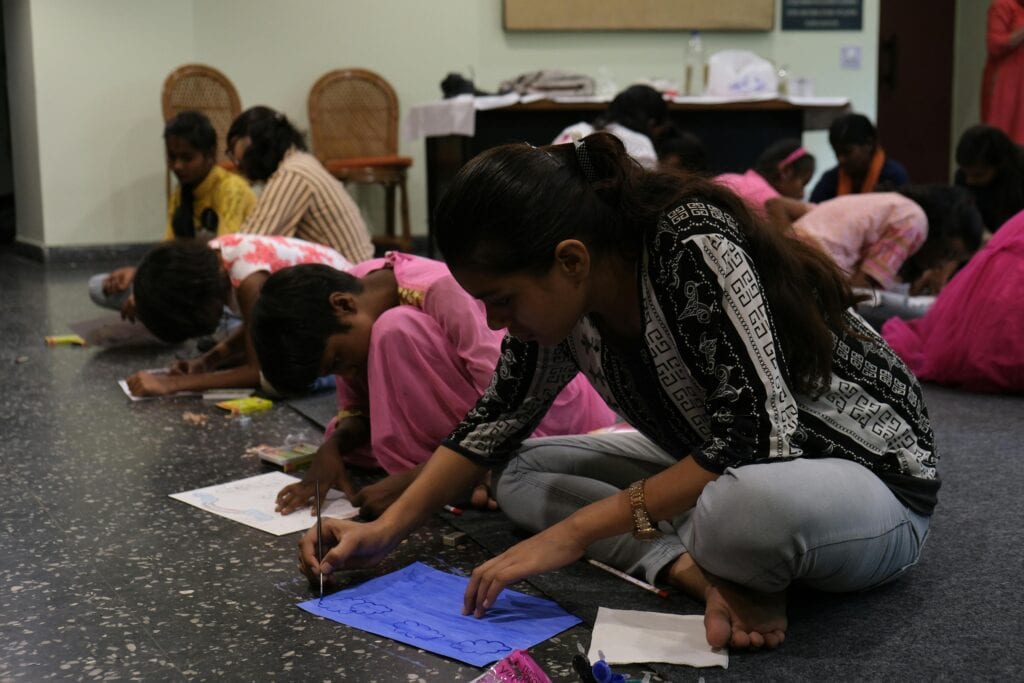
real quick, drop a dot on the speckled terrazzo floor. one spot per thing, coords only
(103, 577)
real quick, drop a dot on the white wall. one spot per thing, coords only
(99, 65)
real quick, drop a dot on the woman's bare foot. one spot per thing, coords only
(742, 618)
(733, 615)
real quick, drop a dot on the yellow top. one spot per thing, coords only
(227, 194)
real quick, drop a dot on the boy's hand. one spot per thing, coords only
(119, 280)
(327, 468)
(374, 499)
(128, 309)
(144, 384)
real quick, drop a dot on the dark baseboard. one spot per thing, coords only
(127, 253)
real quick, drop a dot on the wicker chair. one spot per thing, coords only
(353, 124)
(197, 87)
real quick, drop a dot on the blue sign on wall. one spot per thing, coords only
(822, 15)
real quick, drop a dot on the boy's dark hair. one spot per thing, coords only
(180, 289)
(672, 140)
(638, 107)
(950, 211)
(507, 209)
(195, 129)
(767, 164)
(852, 129)
(292, 320)
(951, 215)
(983, 145)
(271, 134)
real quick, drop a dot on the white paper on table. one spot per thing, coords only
(631, 636)
(251, 502)
(487, 102)
(454, 116)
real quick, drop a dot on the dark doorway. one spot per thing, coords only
(915, 84)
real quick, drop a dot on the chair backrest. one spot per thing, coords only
(197, 87)
(353, 113)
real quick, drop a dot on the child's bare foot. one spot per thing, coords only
(733, 615)
(742, 618)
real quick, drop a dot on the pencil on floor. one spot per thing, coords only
(661, 593)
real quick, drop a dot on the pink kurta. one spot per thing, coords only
(873, 232)
(430, 360)
(973, 336)
(751, 186)
(1003, 90)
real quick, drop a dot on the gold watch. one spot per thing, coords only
(642, 528)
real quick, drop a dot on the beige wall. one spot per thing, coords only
(99, 65)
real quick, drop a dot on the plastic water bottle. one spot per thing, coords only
(695, 65)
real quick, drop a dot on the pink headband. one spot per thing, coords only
(793, 156)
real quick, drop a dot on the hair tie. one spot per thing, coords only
(793, 156)
(583, 157)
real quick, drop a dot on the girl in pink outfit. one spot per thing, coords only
(973, 336)
(413, 353)
(774, 187)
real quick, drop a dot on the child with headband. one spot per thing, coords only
(774, 187)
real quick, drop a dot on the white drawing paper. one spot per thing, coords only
(631, 636)
(251, 502)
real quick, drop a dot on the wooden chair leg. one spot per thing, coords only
(389, 209)
(406, 230)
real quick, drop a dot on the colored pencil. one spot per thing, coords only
(632, 579)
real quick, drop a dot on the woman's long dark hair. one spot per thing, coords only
(508, 208)
(271, 135)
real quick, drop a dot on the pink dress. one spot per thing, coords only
(1002, 94)
(751, 186)
(430, 360)
(873, 232)
(973, 336)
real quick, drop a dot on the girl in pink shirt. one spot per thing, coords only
(412, 353)
(882, 238)
(774, 188)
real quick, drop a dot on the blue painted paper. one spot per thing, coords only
(422, 606)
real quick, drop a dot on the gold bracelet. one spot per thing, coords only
(643, 529)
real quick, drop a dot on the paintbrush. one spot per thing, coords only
(319, 542)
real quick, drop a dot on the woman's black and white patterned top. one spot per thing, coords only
(708, 380)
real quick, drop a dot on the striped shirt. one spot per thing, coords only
(301, 199)
(709, 379)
